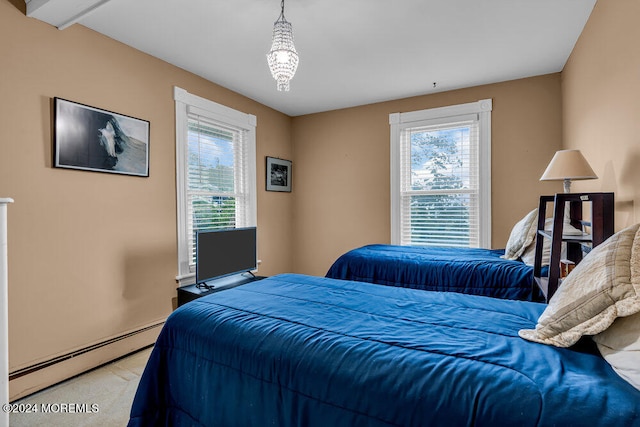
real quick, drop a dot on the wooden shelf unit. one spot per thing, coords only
(595, 231)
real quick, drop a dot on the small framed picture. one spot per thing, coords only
(92, 139)
(278, 174)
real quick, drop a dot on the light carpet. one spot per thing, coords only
(101, 397)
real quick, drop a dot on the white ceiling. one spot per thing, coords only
(352, 52)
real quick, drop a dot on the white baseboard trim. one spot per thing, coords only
(33, 378)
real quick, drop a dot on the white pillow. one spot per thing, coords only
(605, 285)
(522, 235)
(620, 346)
(529, 255)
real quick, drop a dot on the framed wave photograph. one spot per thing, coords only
(278, 174)
(93, 139)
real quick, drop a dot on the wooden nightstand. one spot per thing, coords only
(192, 292)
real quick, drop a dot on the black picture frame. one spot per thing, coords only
(278, 174)
(93, 139)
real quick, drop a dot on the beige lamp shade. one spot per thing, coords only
(568, 165)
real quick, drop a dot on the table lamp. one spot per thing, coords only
(568, 165)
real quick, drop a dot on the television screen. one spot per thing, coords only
(221, 253)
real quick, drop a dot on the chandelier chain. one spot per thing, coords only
(281, 17)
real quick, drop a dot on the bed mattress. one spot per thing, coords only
(295, 350)
(473, 271)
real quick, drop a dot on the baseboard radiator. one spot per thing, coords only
(80, 360)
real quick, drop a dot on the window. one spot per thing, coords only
(215, 172)
(441, 177)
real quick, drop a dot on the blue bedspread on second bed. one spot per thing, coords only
(295, 350)
(472, 271)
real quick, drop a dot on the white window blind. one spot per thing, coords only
(215, 172)
(217, 195)
(440, 194)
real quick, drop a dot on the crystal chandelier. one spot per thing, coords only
(283, 58)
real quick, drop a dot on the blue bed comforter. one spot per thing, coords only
(472, 271)
(295, 350)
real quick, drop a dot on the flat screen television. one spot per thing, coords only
(221, 253)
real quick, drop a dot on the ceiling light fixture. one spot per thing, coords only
(282, 58)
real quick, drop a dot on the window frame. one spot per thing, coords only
(400, 121)
(226, 116)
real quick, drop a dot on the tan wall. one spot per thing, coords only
(93, 255)
(342, 166)
(601, 97)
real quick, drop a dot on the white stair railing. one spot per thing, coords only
(4, 314)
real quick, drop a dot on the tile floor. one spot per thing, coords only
(110, 389)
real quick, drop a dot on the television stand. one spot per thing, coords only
(193, 292)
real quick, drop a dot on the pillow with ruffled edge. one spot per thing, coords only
(522, 236)
(620, 346)
(603, 286)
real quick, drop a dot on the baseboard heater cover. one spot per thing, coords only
(47, 363)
